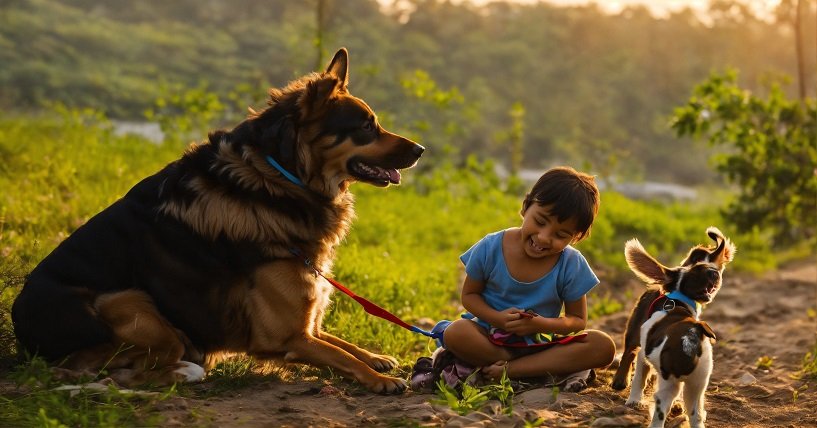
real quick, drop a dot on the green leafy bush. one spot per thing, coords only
(771, 154)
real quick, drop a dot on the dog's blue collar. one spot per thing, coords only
(283, 171)
(681, 297)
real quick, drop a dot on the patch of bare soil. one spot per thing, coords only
(754, 317)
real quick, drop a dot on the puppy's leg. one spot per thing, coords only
(632, 340)
(694, 390)
(381, 363)
(642, 372)
(664, 396)
(311, 350)
(694, 403)
(631, 347)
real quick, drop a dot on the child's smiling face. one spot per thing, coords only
(542, 234)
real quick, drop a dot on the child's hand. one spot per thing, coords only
(509, 315)
(522, 322)
(512, 319)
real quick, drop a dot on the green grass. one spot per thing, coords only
(403, 251)
(467, 398)
(809, 369)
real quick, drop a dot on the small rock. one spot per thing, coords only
(493, 407)
(562, 405)
(618, 421)
(370, 420)
(537, 398)
(479, 416)
(330, 390)
(532, 415)
(621, 410)
(422, 411)
(463, 422)
(443, 411)
(747, 379)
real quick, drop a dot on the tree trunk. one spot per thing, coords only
(319, 16)
(798, 35)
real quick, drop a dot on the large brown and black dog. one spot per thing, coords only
(197, 259)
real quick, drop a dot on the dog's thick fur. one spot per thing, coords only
(197, 260)
(670, 337)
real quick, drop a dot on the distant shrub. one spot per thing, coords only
(771, 154)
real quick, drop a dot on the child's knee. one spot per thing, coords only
(455, 334)
(605, 347)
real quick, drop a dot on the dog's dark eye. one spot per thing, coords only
(713, 275)
(368, 126)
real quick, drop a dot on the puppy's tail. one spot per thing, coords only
(706, 330)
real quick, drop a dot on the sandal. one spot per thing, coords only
(578, 381)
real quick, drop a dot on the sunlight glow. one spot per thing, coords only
(659, 8)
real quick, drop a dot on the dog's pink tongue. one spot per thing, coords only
(394, 176)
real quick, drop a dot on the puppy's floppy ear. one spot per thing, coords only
(706, 330)
(725, 249)
(644, 265)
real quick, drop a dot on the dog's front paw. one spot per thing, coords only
(381, 363)
(386, 385)
(189, 372)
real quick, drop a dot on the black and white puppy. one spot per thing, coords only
(665, 330)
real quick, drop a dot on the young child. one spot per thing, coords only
(517, 281)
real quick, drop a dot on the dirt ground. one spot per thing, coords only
(768, 316)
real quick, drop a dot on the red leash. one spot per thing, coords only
(368, 306)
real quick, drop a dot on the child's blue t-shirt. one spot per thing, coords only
(569, 280)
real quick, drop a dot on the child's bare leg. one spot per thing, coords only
(469, 342)
(597, 350)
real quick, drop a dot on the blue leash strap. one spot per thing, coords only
(433, 335)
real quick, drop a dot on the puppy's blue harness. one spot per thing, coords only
(669, 303)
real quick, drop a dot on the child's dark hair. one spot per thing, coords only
(571, 194)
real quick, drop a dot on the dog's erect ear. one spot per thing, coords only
(707, 330)
(339, 67)
(644, 265)
(333, 80)
(725, 249)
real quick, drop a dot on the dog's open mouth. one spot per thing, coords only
(374, 174)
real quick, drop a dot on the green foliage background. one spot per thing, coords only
(772, 156)
(596, 89)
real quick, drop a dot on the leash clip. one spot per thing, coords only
(669, 305)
